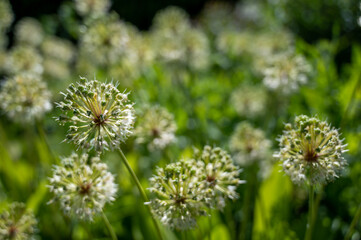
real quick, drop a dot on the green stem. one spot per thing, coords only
(141, 190)
(210, 228)
(311, 214)
(44, 138)
(109, 227)
(353, 223)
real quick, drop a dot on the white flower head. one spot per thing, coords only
(93, 8)
(29, 31)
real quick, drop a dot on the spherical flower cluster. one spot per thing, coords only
(249, 101)
(57, 48)
(17, 223)
(25, 98)
(178, 199)
(106, 40)
(171, 18)
(249, 145)
(101, 117)
(82, 185)
(6, 15)
(29, 31)
(218, 175)
(156, 128)
(197, 50)
(285, 72)
(54, 68)
(93, 8)
(24, 60)
(311, 151)
(235, 44)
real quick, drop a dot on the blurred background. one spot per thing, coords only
(227, 74)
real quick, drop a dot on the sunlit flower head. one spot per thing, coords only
(25, 98)
(100, 116)
(178, 199)
(24, 60)
(156, 128)
(93, 8)
(218, 175)
(6, 15)
(17, 223)
(249, 101)
(82, 185)
(58, 48)
(29, 31)
(311, 151)
(285, 72)
(106, 40)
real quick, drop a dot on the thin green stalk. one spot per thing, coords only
(109, 227)
(210, 228)
(44, 138)
(353, 223)
(311, 214)
(141, 190)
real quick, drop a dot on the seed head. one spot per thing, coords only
(311, 151)
(101, 117)
(17, 223)
(82, 186)
(25, 98)
(156, 128)
(178, 198)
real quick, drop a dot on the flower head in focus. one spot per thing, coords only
(82, 185)
(24, 60)
(156, 128)
(17, 223)
(29, 31)
(25, 98)
(311, 151)
(101, 117)
(220, 177)
(178, 198)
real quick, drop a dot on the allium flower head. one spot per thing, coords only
(6, 15)
(82, 185)
(219, 176)
(285, 72)
(93, 8)
(24, 60)
(57, 48)
(29, 31)
(311, 151)
(249, 145)
(17, 223)
(156, 128)
(172, 19)
(101, 117)
(249, 101)
(106, 40)
(25, 98)
(57, 69)
(178, 199)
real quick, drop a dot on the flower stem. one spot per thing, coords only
(311, 214)
(109, 227)
(353, 223)
(141, 190)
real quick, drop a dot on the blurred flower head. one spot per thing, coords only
(29, 31)
(156, 128)
(92, 8)
(101, 117)
(6, 15)
(285, 72)
(58, 48)
(178, 198)
(106, 40)
(249, 145)
(249, 101)
(17, 223)
(57, 69)
(219, 176)
(82, 185)
(25, 98)
(311, 151)
(24, 60)
(172, 19)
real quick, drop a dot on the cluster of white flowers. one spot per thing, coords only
(6, 15)
(82, 185)
(25, 98)
(311, 151)
(17, 223)
(101, 116)
(156, 128)
(29, 31)
(92, 8)
(184, 190)
(24, 60)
